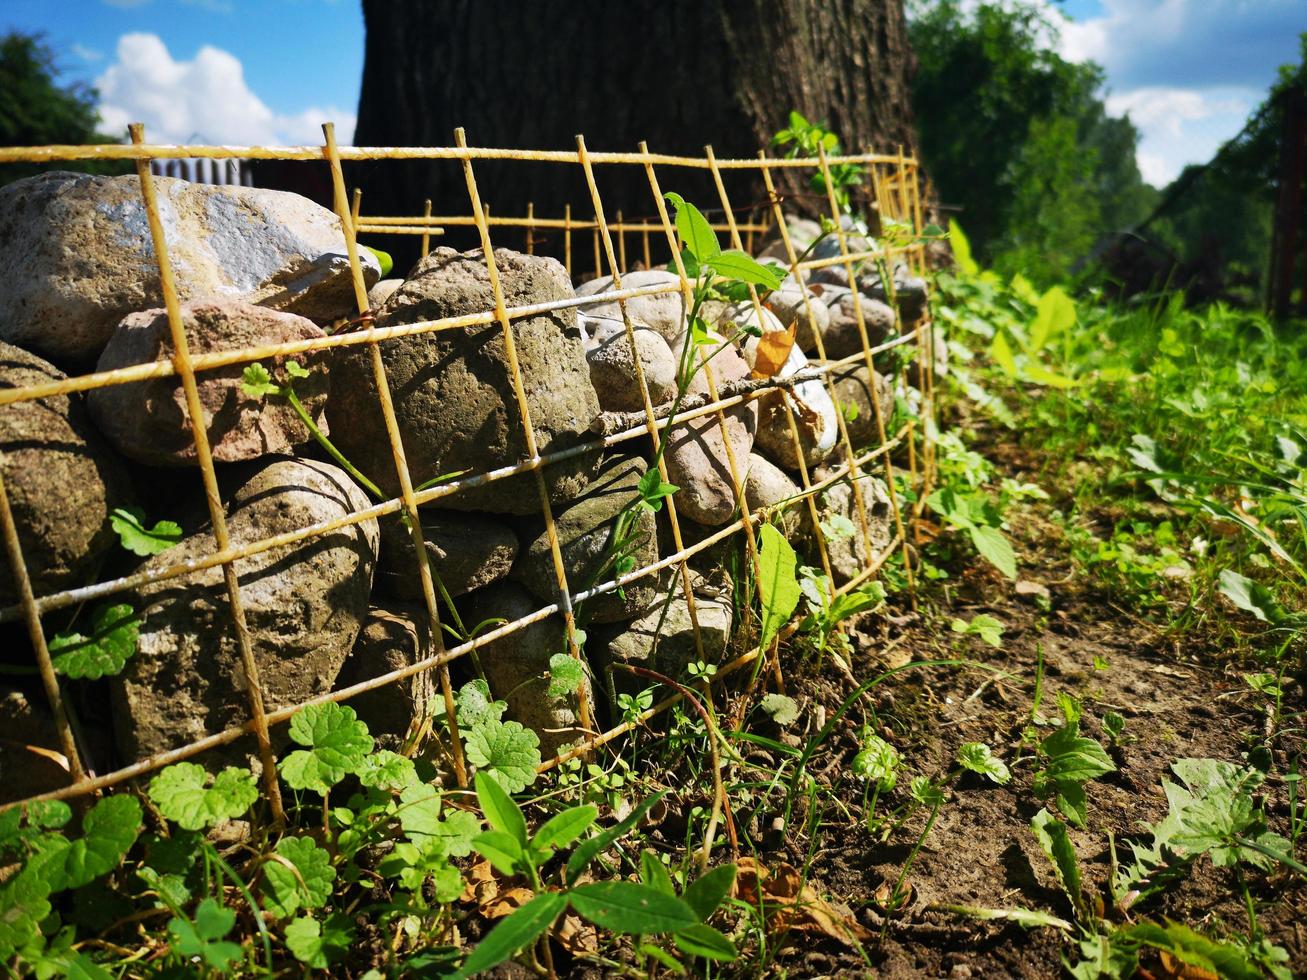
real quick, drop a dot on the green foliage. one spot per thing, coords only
(203, 938)
(504, 751)
(298, 875)
(778, 589)
(1053, 840)
(982, 625)
(182, 794)
(1069, 760)
(1019, 137)
(877, 762)
(805, 139)
(129, 524)
(114, 632)
(565, 675)
(976, 514)
(977, 757)
(36, 110)
(782, 708)
(335, 744)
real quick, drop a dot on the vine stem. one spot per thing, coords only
(721, 804)
(326, 443)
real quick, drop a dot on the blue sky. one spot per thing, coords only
(271, 71)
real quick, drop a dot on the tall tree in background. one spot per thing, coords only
(1018, 137)
(35, 110)
(677, 75)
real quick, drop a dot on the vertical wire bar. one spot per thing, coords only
(871, 370)
(524, 410)
(397, 451)
(850, 453)
(530, 227)
(355, 206)
(567, 239)
(49, 680)
(644, 237)
(181, 359)
(687, 300)
(621, 244)
(426, 227)
(599, 266)
(651, 421)
(820, 535)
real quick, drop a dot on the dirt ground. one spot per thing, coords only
(981, 851)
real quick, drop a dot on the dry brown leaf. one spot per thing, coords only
(508, 901)
(792, 905)
(773, 351)
(1172, 967)
(577, 936)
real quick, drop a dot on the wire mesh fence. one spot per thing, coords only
(894, 449)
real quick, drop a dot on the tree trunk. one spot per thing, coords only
(679, 75)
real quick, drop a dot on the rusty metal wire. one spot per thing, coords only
(894, 194)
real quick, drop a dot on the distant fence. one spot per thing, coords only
(891, 191)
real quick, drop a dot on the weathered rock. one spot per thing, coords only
(909, 291)
(696, 450)
(842, 336)
(516, 665)
(62, 480)
(768, 486)
(803, 232)
(853, 387)
(30, 748)
(78, 257)
(453, 389)
(394, 636)
(149, 421)
(585, 539)
(304, 604)
(663, 313)
(670, 650)
(381, 291)
(467, 551)
(814, 412)
(793, 303)
(849, 554)
(612, 368)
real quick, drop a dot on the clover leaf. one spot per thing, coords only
(565, 675)
(317, 944)
(297, 876)
(182, 795)
(111, 644)
(129, 524)
(109, 829)
(257, 382)
(336, 745)
(506, 752)
(476, 705)
(204, 936)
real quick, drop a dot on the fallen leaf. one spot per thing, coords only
(789, 904)
(773, 351)
(577, 936)
(508, 901)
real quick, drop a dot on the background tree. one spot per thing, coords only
(1018, 138)
(36, 110)
(678, 75)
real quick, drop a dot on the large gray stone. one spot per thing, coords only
(793, 303)
(585, 539)
(453, 389)
(696, 456)
(853, 387)
(78, 257)
(663, 639)
(467, 551)
(61, 478)
(769, 487)
(849, 554)
(662, 312)
(149, 421)
(516, 665)
(304, 604)
(394, 636)
(842, 336)
(612, 367)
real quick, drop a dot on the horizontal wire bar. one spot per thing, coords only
(163, 151)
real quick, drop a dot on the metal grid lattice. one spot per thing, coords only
(891, 192)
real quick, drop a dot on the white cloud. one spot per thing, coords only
(87, 54)
(204, 100)
(1179, 126)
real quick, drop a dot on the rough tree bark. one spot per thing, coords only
(677, 74)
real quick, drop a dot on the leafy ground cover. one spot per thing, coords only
(1077, 751)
